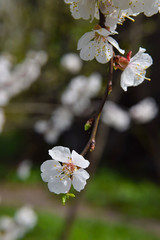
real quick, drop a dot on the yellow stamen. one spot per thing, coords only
(130, 18)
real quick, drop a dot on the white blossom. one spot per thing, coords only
(26, 217)
(98, 44)
(24, 169)
(115, 116)
(134, 73)
(9, 230)
(80, 90)
(65, 169)
(16, 227)
(86, 9)
(144, 111)
(60, 121)
(71, 62)
(15, 79)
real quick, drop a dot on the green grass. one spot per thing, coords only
(139, 199)
(49, 227)
(110, 190)
(34, 177)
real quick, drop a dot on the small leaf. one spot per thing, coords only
(88, 124)
(64, 198)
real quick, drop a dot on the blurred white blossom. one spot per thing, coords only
(75, 99)
(13, 80)
(24, 169)
(60, 121)
(26, 218)
(71, 62)
(9, 230)
(15, 228)
(144, 111)
(80, 90)
(115, 117)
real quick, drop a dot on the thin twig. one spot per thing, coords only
(91, 143)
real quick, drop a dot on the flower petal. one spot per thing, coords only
(103, 32)
(115, 44)
(142, 60)
(104, 52)
(49, 169)
(61, 154)
(79, 179)
(58, 185)
(127, 78)
(85, 39)
(79, 160)
(48, 165)
(88, 51)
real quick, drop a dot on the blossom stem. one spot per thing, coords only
(92, 142)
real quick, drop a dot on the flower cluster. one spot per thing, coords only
(76, 99)
(15, 79)
(120, 119)
(65, 168)
(99, 44)
(13, 228)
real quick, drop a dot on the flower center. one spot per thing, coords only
(67, 169)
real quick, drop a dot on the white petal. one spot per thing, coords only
(103, 32)
(115, 44)
(104, 52)
(74, 10)
(123, 4)
(127, 78)
(85, 39)
(61, 154)
(51, 174)
(87, 53)
(143, 61)
(138, 79)
(59, 186)
(68, 1)
(138, 54)
(79, 160)
(79, 179)
(48, 165)
(50, 169)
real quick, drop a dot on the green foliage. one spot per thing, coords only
(110, 190)
(50, 226)
(140, 199)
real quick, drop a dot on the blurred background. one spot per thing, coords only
(46, 95)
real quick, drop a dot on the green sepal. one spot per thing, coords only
(70, 195)
(66, 196)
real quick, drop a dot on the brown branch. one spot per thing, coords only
(101, 19)
(91, 143)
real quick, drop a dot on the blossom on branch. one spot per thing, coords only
(98, 44)
(134, 69)
(65, 169)
(85, 9)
